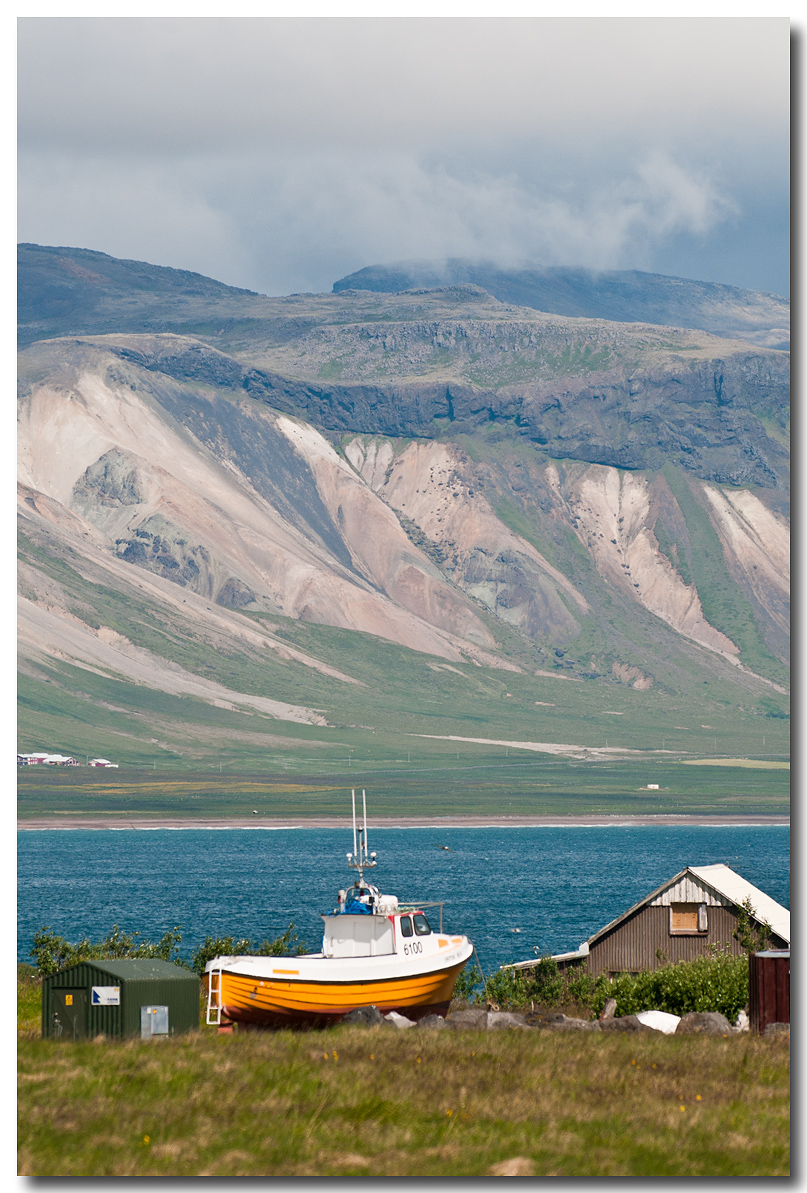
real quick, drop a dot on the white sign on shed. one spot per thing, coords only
(106, 996)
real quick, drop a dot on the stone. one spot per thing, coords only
(505, 1019)
(364, 1017)
(517, 1166)
(777, 1029)
(609, 1010)
(432, 1022)
(399, 1021)
(704, 1023)
(624, 1023)
(476, 1019)
(568, 1023)
(659, 1021)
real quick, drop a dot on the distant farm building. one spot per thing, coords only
(697, 908)
(103, 762)
(41, 759)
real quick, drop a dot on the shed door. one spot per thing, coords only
(69, 1014)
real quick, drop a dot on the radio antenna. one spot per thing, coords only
(360, 859)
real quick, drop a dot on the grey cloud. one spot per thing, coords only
(281, 154)
(299, 221)
(189, 84)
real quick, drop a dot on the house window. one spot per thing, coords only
(688, 919)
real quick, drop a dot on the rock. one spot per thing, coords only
(399, 1021)
(568, 1023)
(659, 1021)
(704, 1023)
(432, 1022)
(609, 1010)
(623, 1023)
(470, 1019)
(364, 1017)
(777, 1029)
(505, 1019)
(517, 1166)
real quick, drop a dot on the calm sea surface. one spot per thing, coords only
(511, 890)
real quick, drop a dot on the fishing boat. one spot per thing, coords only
(375, 952)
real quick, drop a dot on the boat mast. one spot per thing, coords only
(360, 859)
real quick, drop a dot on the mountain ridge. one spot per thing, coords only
(619, 295)
(221, 489)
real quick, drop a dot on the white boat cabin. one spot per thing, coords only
(366, 923)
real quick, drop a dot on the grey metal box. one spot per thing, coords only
(153, 1022)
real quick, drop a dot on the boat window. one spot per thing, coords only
(421, 925)
(406, 926)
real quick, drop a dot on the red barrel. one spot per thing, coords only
(768, 988)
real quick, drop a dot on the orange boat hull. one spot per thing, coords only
(282, 1002)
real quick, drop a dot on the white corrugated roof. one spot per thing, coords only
(736, 888)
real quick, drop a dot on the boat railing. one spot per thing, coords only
(407, 907)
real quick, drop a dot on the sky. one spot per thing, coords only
(280, 154)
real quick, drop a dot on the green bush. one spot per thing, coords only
(718, 982)
(469, 983)
(53, 952)
(286, 945)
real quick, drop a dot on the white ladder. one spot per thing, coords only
(213, 1018)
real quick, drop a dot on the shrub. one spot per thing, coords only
(752, 934)
(286, 945)
(469, 983)
(718, 982)
(53, 952)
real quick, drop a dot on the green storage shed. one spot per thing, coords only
(143, 997)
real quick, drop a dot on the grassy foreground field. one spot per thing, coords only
(379, 1102)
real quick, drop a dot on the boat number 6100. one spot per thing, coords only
(415, 947)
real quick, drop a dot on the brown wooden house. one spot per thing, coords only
(696, 908)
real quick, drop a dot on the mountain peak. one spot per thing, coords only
(625, 296)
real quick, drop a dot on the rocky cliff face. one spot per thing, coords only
(722, 415)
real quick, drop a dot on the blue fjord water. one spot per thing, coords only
(511, 890)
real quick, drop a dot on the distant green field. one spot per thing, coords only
(430, 784)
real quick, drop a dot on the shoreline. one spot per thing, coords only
(691, 820)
